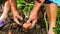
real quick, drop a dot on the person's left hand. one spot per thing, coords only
(16, 16)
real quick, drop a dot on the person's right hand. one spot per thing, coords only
(33, 17)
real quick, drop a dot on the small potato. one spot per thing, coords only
(10, 32)
(27, 25)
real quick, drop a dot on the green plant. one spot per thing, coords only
(24, 7)
(57, 28)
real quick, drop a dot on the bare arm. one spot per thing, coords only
(34, 12)
(35, 9)
(15, 12)
(37, 5)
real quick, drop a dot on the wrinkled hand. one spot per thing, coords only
(33, 18)
(16, 16)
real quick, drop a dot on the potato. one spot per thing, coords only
(27, 25)
(10, 32)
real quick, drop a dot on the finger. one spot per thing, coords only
(29, 20)
(20, 17)
(16, 20)
(33, 23)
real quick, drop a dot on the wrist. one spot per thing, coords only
(34, 12)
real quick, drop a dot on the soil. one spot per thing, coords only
(17, 29)
(12, 28)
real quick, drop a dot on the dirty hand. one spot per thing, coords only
(33, 19)
(16, 16)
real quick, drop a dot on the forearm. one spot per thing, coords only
(37, 6)
(13, 5)
(5, 11)
(6, 7)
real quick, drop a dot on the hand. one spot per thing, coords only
(33, 23)
(16, 16)
(33, 18)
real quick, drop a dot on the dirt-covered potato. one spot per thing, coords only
(27, 25)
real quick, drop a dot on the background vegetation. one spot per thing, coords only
(26, 6)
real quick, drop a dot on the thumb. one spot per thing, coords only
(29, 20)
(33, 23)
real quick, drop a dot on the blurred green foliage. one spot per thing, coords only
(26, 7)
(57, 28)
